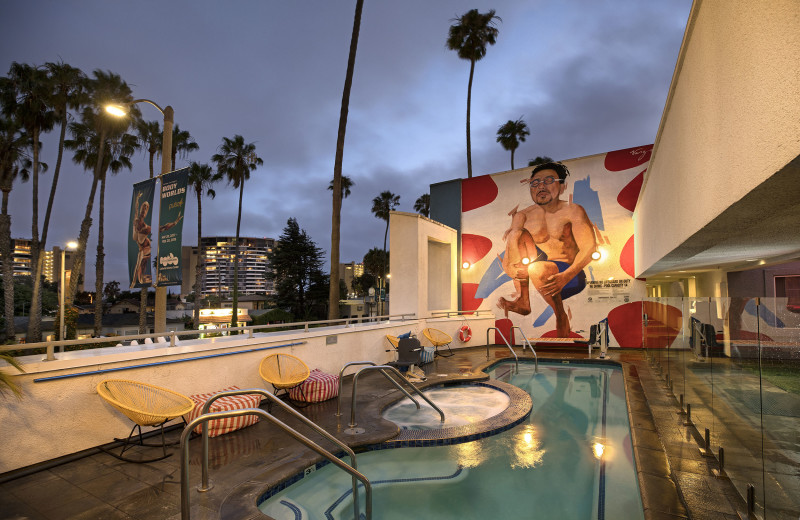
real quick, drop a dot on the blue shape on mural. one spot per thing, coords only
(591, 273)
(493, 278)
(584, 195)
(767, 315)
(543, 317)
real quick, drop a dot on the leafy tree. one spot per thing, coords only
(297, 264)
(469, 37)
(150, 138)
(510, 134)
(201, 177)
(375, 262)
(235, 160)
(423, 205)
(361, 284)
(337, 184)
(111, 292)
(539, 160)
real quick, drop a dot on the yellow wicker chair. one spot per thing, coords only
(393, 341)
(283, 372)
(145, 405)
(439, 339)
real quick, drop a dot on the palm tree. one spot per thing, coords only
(118, 157)
(337, 188)
(150, 137)
(235, 160)
(470, 35)
(13, 144)
(182, 144)
(423, 205)
(382, 205)
(97, 126)
(347, 183)
(201, 177)
(511, 133)
(32, 92)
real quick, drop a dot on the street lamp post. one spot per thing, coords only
(160, 324)
(62, 333)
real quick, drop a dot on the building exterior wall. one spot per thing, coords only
(253, 265)
(731, 122)
(411, 268)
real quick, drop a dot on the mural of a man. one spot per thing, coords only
(548, 244)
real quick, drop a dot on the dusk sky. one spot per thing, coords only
(588, 77)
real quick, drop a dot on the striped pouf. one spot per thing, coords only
(318, 387)
(224, 404)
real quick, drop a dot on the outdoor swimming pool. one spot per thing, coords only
(571, 458)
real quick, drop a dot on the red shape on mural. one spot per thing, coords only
(629, 195)
(663, 324)
(474, 247)
(477, 192)
(505, 329)
(628, 158)
(468, 300)
(626, 261)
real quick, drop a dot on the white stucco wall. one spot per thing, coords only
(63, 416)
(730, 122)
(409, 264)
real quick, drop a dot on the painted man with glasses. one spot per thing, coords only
(548, 245)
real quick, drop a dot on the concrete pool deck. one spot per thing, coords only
(675, 479)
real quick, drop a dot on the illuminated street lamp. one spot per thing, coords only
(62, 333)
(118, 110)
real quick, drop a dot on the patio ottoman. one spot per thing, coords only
(224, 404)
(318, 387)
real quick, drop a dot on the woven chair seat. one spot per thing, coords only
(393, 341)
(283, 371)
(437, 337)
(144, 404)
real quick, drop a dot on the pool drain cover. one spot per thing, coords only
(354, 431)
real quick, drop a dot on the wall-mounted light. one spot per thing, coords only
(526, 261)
(465, 265)
(596, 255)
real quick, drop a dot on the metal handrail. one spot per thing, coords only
(448, 314)
(172, 337)
(381, 368)
(525, 338)
(185, 509)
(387, 376)
(516, 359)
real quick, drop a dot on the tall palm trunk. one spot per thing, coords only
(234, 321)
(469, 104)
(8, 268)
(35, 315)
(98, 278)
(86, 224)
(336, 217)
(198, 279)
(39, 265)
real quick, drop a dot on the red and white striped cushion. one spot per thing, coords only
(224, 404)
(318, 387)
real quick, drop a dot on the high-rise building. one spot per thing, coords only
(349, 272)
(219, 254)
(22, 260)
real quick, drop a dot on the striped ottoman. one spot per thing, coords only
(224, 404)
(318, 387)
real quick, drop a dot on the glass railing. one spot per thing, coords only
(733, 365)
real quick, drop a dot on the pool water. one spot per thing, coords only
(572, 458)
(462, 405)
